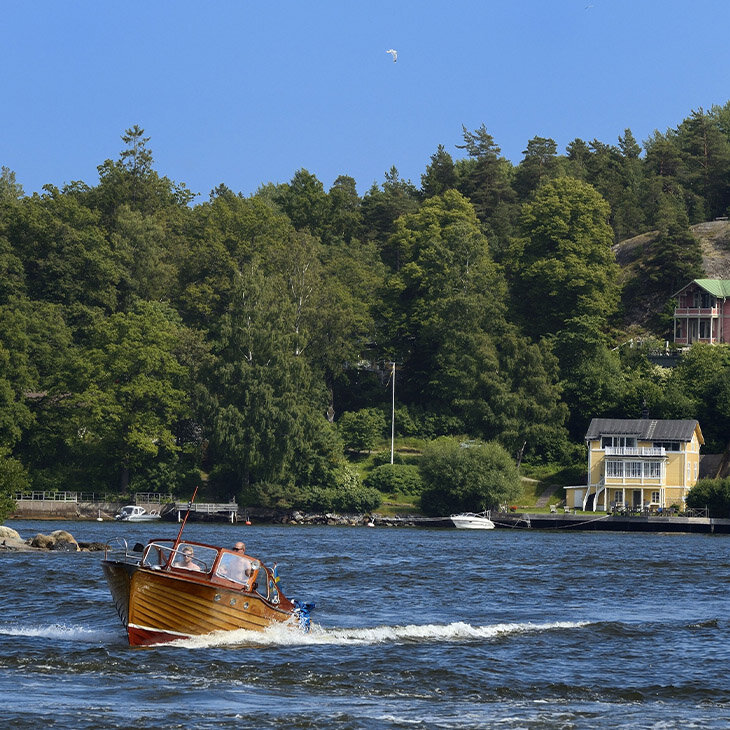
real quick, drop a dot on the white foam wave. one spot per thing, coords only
(289, 635)
(61, 631)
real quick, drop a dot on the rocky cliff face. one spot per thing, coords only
(714, 238)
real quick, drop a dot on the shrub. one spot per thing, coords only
(348, 495)
(13, 478)
(383, 457)
(395, 478)
(470, 476)
(711, 493)
(356, 499)
(362, 430)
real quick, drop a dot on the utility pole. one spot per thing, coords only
(392, 416)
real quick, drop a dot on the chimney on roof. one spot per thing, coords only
(645, 410)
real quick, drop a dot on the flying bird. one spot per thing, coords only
(393, 53)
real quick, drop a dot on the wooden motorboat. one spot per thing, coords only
(173, 589)
(473, 521)
(134, 513)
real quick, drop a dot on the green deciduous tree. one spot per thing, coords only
(134, 393)
(701, 385)
(466, 476)
(13, 478)
(9, 188)
(564, 266)
(65, 253)
(362, 430)
(713, 494)
(264, 411)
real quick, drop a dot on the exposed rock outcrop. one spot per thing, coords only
(58, 540)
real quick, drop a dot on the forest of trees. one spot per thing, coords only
(148, 336)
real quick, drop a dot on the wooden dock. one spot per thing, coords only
(207, 511)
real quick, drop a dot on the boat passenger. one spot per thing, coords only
(187, 562)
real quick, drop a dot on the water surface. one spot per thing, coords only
(413, 628)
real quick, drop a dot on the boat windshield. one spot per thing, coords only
(237, 568)
(197, 558)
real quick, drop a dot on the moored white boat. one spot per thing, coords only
(473, 521)
(134, 513)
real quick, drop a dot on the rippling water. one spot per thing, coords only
(413, 628)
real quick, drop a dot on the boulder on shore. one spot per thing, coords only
(57, 540)
(9, 533)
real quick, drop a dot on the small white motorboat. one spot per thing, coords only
(134, 513)
(473, 521)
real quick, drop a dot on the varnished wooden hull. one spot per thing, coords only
(158, 606)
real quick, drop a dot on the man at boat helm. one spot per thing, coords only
(188, 559)
(245, 565)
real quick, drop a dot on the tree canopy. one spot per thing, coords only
(148, 338)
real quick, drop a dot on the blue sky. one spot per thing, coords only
(245, 93)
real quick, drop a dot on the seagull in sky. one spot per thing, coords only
(393, 53)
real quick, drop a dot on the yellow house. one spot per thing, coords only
(641, 464)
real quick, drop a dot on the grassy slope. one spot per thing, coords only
(538, 481)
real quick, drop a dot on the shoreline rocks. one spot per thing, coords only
(57, 541)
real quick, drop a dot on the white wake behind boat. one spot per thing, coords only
(134, 513)
(473, 521)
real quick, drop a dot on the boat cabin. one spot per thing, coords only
(217, 566)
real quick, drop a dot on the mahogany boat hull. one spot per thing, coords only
(159, 606)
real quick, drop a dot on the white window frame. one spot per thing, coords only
(654, 469)
(614, 469)
(633, 470)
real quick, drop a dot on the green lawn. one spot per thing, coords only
(536, 480)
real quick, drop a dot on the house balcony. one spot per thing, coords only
(635, 451)
(697, 312)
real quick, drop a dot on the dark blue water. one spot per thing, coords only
(414, 628)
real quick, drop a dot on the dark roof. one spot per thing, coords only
(645, 429)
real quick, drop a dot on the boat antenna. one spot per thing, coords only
(185, 519)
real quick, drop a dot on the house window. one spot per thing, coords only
(618, 441)
(655, 497)
(618, 497)
(614, 469)
(666, 445)
(633, 469)
(653, 469)
(705, 329)
(706, 299)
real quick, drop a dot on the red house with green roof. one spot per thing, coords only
(702, 313)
